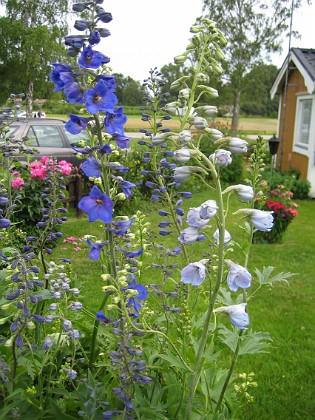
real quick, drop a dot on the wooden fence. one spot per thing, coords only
(74, 188)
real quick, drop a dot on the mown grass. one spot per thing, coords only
(285, 376)
(255, 125)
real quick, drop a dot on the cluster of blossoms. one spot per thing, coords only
(279, 202)
(129, 336)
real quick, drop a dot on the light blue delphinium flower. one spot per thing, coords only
(237, 314)
(194, 273)
(238, 276)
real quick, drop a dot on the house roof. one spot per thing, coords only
(302, 59)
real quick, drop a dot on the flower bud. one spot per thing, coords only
(200, 123)
(184, 93)
(195, 29)
(180, 59)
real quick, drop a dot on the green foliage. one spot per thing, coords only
(231, 174)
(291, 180)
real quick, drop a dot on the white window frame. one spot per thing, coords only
(298, 146)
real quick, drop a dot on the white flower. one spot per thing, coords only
(262, 220)
(214, 134)
(237, 145)
(221, 157)
(184, 93)
(237, 314)
(243, 192)
(200, 123)
(208, 209)
(189, 235)
(227, 238)
(182, 155)
(184, 136)
(182, 173)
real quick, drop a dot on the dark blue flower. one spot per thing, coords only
(131, 254)
(114, 122)
(61, 76)
(4, 223)
(81, 25)
(76, 124)
(122, 141)
(122, 226)
(142, 294)
(91, 59)
(96, 249)
(101, 317)
(97, 205)
(94, 37)
(91, 167)
(103, 32)
(103, 16)
(100, 98)
(74, 93)
(110, 81)
(75, 41)
(4, 201)
(125, 185)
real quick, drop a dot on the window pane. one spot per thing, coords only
(74, 139)
(48, 136)
(305, 120)
(32, 140)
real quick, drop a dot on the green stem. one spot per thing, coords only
(228, 376)
(221, 221)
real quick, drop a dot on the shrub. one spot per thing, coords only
(279, 201)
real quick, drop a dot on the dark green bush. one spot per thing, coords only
(291, 180)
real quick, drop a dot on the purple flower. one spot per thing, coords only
(97, 205)
(91, 59)
(221, 157)
(114, 122)
(208, 209)
(100, 98)
(194, 273)
(227, 238)
(96, 249)
(48, 342)
(142, 294)
(238, 276)
(194, 218)
(76, 124)
(4, 223)
(72, 374)
(237, 314)
(189, 235)
(91, 167)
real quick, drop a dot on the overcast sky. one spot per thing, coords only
(149, 33)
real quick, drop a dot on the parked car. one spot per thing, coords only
(49, 137)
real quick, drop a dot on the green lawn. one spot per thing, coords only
(254, 125)
(286, 376)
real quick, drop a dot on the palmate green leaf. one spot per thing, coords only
(264, 276)
(250, 342)
(29, 365)
(173, 360)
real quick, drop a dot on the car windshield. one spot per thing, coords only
(74, 139)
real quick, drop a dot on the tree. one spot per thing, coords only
(253, 29)
(128, 91)
(31, 40)
(258, 84)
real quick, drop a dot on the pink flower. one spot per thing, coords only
(17, 183)
(45, 160)
(66, 167)
(37, 170)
